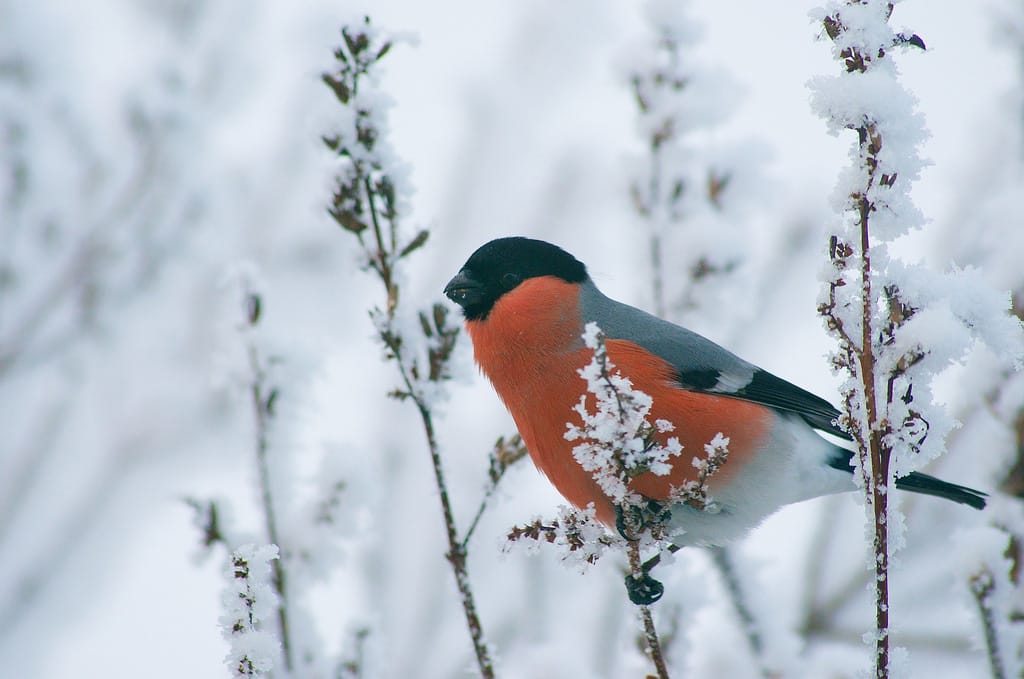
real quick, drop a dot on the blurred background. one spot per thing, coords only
(153, 153)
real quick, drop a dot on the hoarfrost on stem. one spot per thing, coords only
(576, 533)
(897, 326)
(617, 441)
(249, 602)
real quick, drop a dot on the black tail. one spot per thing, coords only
(916, 482)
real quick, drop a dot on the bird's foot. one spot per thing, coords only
(631, 521)
(644, 590)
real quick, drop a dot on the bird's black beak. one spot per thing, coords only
(463, 290)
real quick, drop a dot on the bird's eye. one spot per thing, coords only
(510, 280)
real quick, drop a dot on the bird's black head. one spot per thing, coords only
(501, 265)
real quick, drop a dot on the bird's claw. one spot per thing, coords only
(645, 590)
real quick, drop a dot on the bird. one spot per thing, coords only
(526, 303)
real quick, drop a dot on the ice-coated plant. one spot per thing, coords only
(897, 325)
(616, 441)
(249, 601)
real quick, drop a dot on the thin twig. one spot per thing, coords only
(982, 586)
(505, 454)
(456, 550)
(261, 408)
(651, 639)
(478, 515)
(365, 200)
(723, 561)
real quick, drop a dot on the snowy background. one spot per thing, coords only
(152, 150)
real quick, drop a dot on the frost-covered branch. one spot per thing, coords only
(982, 585)
(249, 599)
(991, 567)
(617, 442)
(873, 199)
(673, 184)
(577, 534)
(255, 568)
(304, 530)
(616, 445)
(897, 326)
(263, 398)
(369, 202)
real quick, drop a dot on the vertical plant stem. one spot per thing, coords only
(877, 451)
(457, 553)
(365, 201)
(259, 403)
(650, 631)
(456, 550)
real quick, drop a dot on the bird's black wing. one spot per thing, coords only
(767, 389)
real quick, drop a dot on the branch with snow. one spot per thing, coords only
(897, 325)
(990, 564)
(249, 601)
(678, 100)
(873, 198)
(251, 653)
(617, 442)
(695, 493)
(579, 538)
(370, 201)
(263, 398)
(304, 529)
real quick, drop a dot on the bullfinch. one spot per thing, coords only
(526, 303)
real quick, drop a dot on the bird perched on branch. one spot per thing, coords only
(526, 303)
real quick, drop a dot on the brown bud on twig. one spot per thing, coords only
(339, 87)
(416, 243)
(717, 184)
(833, 27)
(253, 308)
(504, 455)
